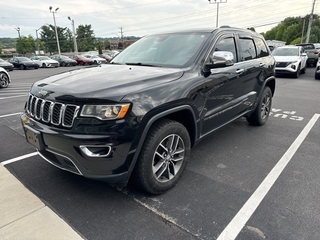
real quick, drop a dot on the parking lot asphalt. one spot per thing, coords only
(242, 182)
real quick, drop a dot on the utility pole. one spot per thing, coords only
(310, 22)
(38, 46)
(74, 37)
(217, 2)
(121, 34)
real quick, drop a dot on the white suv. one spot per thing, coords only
(290, 60)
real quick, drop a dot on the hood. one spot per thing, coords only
(49, 61)
(5, 64)
(107, 82)
(287, 58)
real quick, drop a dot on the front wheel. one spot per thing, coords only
(163, 157)
(4, 80)
(22, 67)
(261, 113)
(297, 73)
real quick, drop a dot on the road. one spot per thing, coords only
(243, 181)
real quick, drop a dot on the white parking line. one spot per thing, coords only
(241, 218)
(18, 158)
(13, 97)
(12, 114)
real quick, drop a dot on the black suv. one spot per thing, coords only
(138, 117)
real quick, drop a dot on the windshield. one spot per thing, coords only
(23, 59)
(286, 52)
(1, 60)
(45, 58)
(164, 49)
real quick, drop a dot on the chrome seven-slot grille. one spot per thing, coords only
(56, 113)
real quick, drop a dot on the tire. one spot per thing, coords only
(81, 63)
(4, 80)
(303, 71)
(297, 73)
(44, 65)
(159, 168)
(317, 76)
(261, 114)
(63, 64)
(22, 67)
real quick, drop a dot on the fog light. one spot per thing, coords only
(96, 150)
(293, 67)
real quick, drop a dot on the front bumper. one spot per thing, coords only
(289, 69)
(101, 157)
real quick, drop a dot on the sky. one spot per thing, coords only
(110, 18)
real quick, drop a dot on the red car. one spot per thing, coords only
(106, 57)
(81, 60)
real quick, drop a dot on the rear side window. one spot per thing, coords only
(247, 49)
(261, 48)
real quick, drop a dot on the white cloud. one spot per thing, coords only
(147, 16)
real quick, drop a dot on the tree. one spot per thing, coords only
(0, 50)
(99, 49)
(48, 36)
(85, 38)
(120, 45)
(107, 44)
(291, 30)
(25, 44)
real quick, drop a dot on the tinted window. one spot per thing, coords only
(227, 44)
(248, 50)
(261, 48)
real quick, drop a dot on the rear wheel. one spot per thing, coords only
(4, 80)
(22, 67)
(63, 64)
(163, 157)
(44, 65)
(262, 111)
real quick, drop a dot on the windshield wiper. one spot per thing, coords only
(142, 64)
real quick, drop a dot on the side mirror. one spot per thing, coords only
(220, 59)
(303, 54)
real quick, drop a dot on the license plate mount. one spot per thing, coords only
(34, 137)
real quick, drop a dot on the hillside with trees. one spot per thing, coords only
(292, 29)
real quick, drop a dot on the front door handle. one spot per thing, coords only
(239, 71)
(261, 64)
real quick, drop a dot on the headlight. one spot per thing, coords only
(105, 112)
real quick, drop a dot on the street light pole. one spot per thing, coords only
(74, 37)
(217, 2)
(18, 30)
(38, 46)
(55, 27)
(310, 22)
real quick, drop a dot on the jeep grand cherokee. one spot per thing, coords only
(139, 116)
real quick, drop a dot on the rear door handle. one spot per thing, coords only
(261, 64)
(239, 71)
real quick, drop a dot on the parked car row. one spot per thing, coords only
(36, 62)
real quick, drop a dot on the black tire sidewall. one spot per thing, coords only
(144, 173)
(255, 118)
